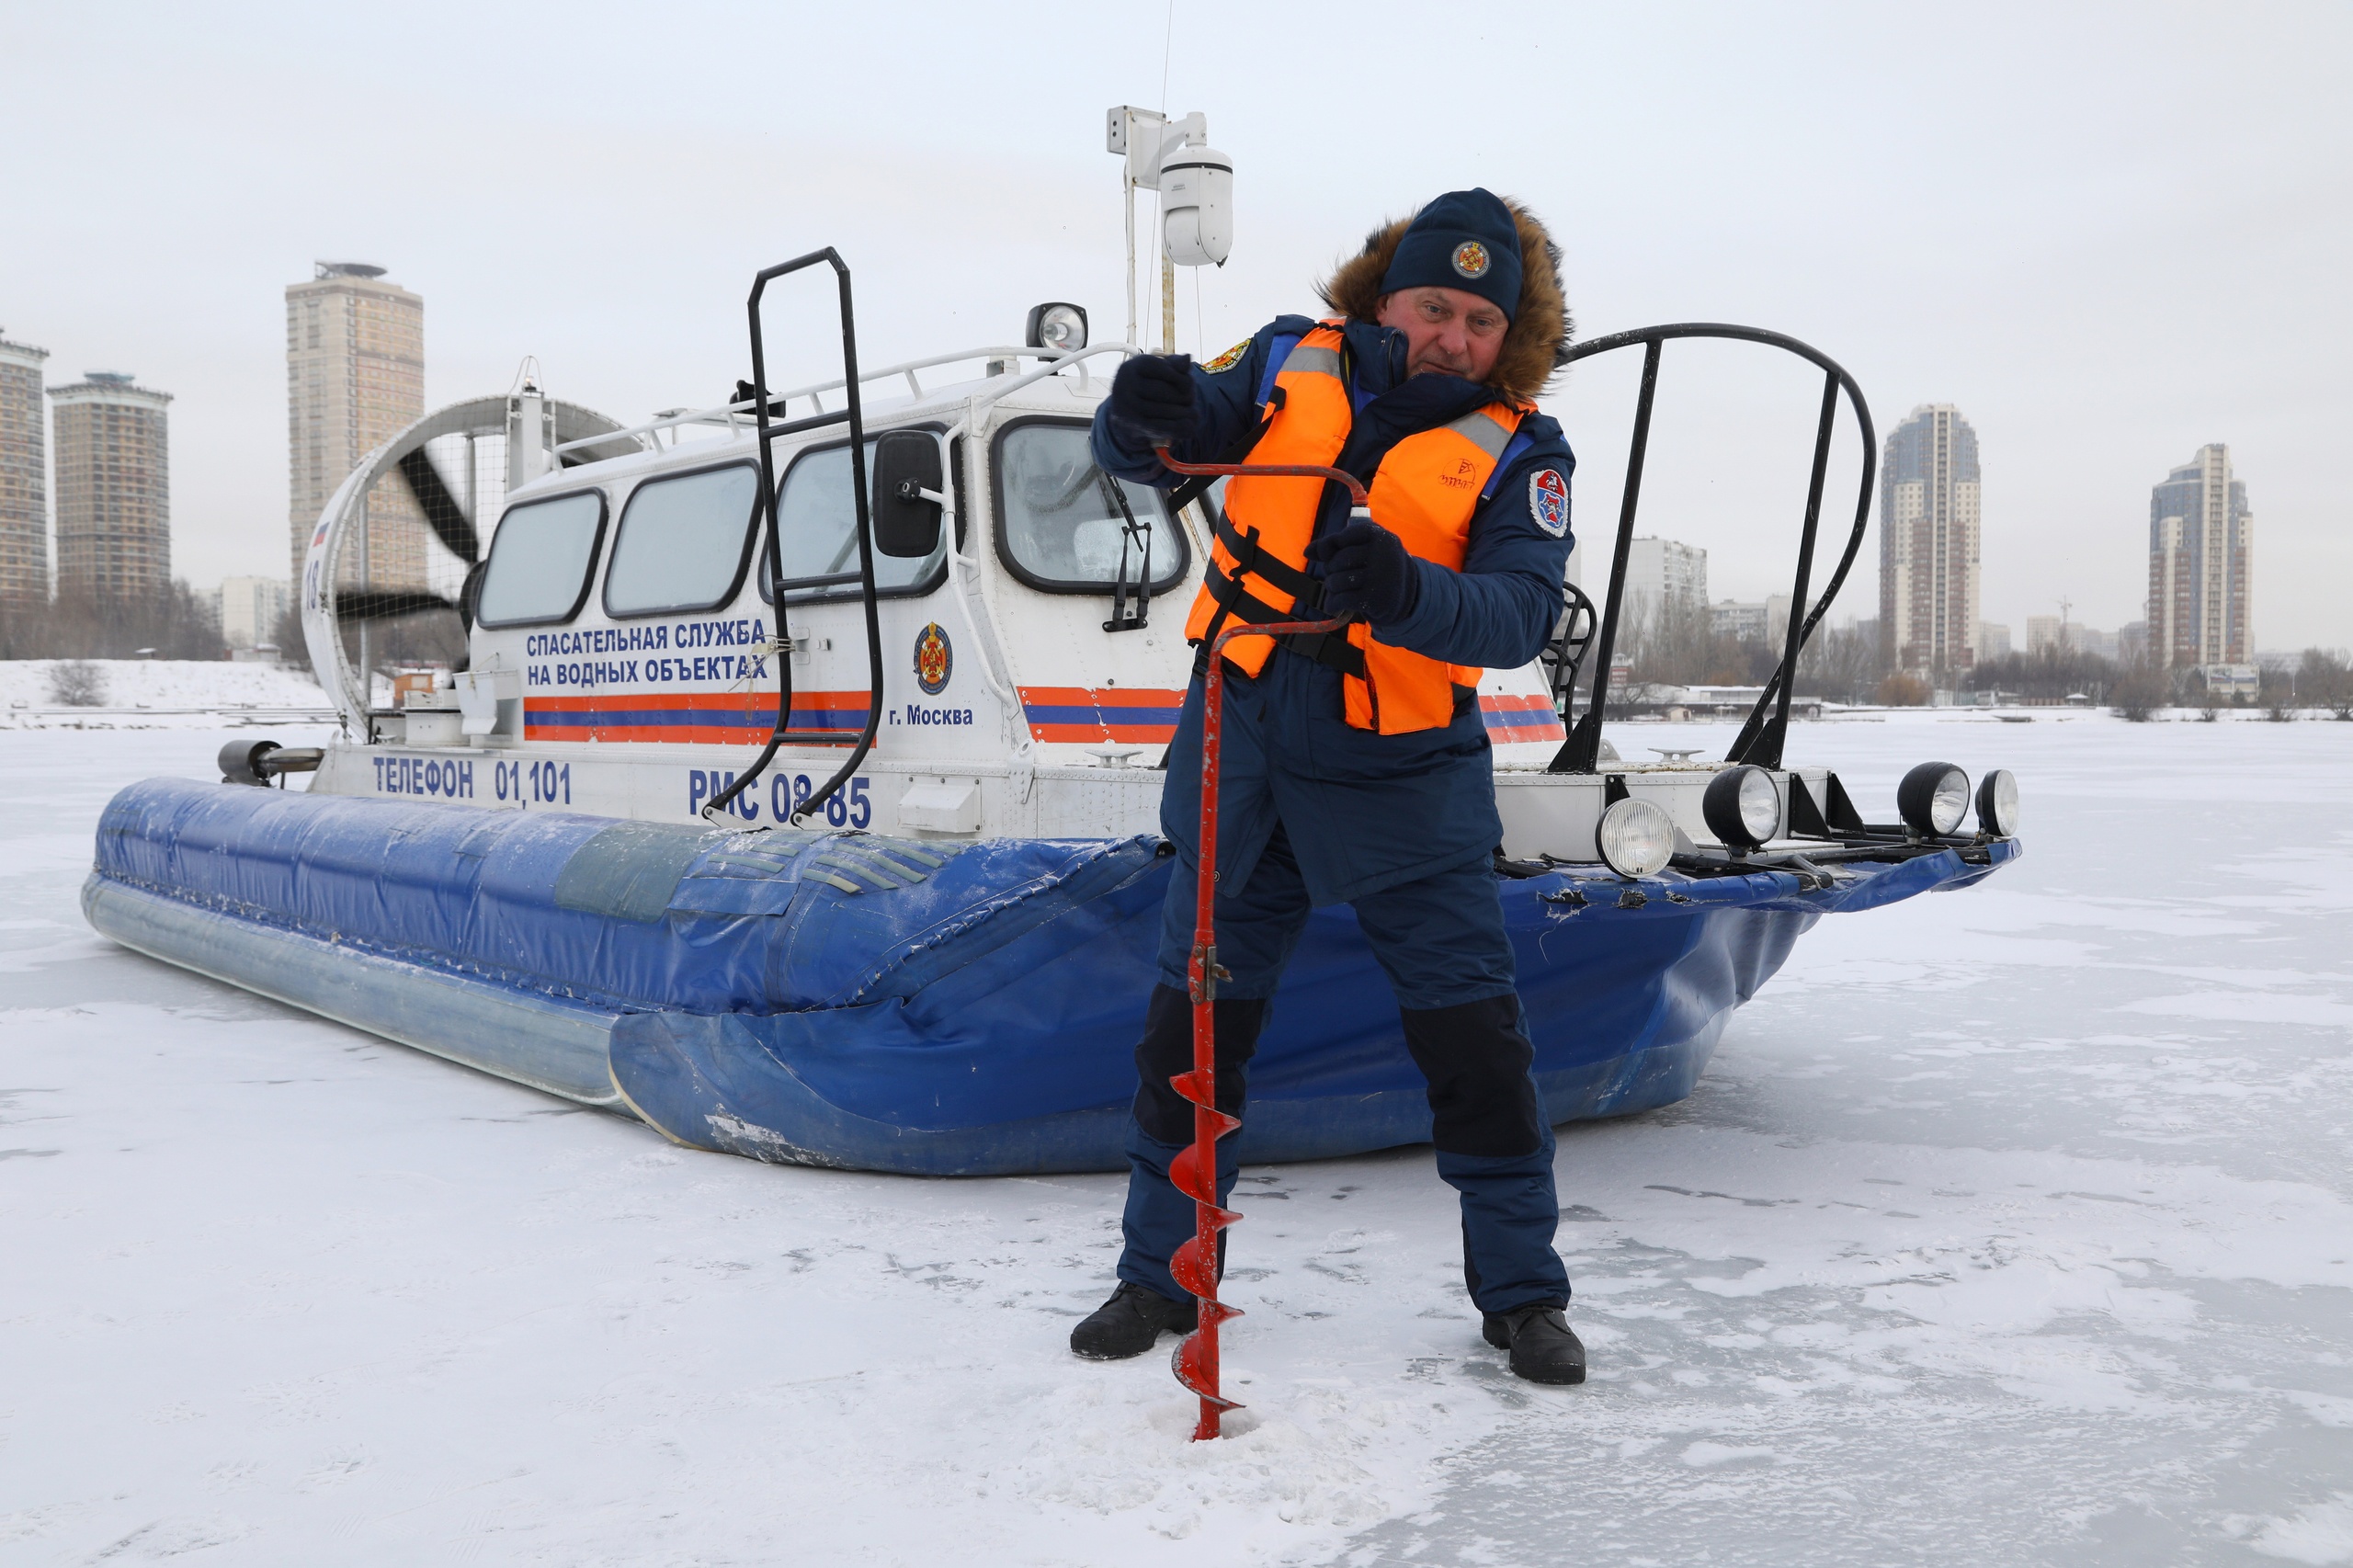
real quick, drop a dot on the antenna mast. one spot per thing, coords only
(1196, 185)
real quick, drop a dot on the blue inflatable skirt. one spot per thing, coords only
(883, 1004)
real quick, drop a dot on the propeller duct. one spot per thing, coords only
(330, 602)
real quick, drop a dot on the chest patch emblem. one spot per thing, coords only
(1230, 359)
(1471, 259)
(1548, 501)
(935, 660)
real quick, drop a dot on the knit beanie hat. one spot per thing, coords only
(1465, 239)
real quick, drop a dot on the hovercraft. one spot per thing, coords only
(807, 809)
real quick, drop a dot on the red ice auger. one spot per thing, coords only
(1194, 1171)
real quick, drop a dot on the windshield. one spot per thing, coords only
(1059, 523)
(539, 560)
(682, 542)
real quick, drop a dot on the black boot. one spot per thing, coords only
(1544, 1349)
(1132, 1321)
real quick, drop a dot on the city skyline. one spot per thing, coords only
(2023, 267)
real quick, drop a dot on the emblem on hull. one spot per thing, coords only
(935, 660)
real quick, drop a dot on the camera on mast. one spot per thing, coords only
(1195, 180)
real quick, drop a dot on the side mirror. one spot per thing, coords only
(909, 485)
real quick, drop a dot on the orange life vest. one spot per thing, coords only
(1424, 491)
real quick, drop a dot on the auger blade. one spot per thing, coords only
(1195, 1269)
(1195, 1086)
(1186, 1361)
(1190, 1179)
(1215, 1312)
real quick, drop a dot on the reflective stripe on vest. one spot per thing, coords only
(1425, 491)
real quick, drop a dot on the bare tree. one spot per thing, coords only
(2139, 692)
(2048, 675)
(76, 683)
(2325, 679)
(1841, 662)
(172, 624)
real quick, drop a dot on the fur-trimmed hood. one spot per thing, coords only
(1535, 343)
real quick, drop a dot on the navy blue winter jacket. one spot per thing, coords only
(1363, 811)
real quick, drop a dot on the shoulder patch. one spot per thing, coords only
(1230, 359)
(1548, 501)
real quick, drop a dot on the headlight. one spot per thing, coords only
(1742, 807)
(1055, 325)
(1933, 798)
(1997, 804)
(1637, 838)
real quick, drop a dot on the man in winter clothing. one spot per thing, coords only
(1356, 769)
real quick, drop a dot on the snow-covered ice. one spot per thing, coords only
(158, 694)
(2008, 1226)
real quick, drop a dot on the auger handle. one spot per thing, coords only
(1357, 494)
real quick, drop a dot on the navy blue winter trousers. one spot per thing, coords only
(1442, 943)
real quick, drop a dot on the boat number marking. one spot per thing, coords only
(533, 783)
(851, 806)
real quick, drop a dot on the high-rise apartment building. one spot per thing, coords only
(114, 500)
(251, 608)
(1927, 542)
(24, 475)
(1659, 571)
(2202, 566)
(355, 378)
(1764, 620)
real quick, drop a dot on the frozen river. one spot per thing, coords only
(2011, 1226)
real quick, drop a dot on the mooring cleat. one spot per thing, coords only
(1544, 1349)
(1131, 1322)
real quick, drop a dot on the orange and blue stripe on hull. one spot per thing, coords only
(1510, 719)
(696, 718)
(1075, 713)
(1141, 716)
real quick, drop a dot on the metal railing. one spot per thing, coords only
(740, 414)
(1761, 737)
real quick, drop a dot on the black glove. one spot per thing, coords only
(1368, 572)
(1153, 397)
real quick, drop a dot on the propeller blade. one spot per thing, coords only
(385, 604)
(442, 513)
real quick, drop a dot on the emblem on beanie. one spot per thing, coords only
(1548, 501)
(1471, 259)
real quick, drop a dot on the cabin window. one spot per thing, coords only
(540, 560)
(1059, 523)
(683, 543)
(816, 514)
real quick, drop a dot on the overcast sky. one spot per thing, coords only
(2107, 234)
